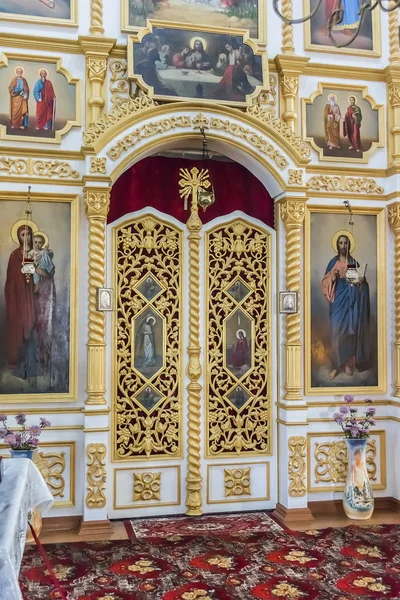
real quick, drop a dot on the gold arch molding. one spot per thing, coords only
(255, 122)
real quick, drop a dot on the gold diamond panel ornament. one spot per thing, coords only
(237, 482)
(146, 487)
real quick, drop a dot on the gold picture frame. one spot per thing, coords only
(381, 387)
(72, 394)
(61, 22)
(325, 88)
(312, 47)
(43, 60)
(258, 48)
(261, 36)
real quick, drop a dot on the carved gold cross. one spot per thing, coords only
(191, 182)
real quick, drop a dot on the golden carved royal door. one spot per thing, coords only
(202, 441)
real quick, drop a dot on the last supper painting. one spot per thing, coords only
(185, 64)
(35, 301)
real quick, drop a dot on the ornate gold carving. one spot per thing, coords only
(289, 84)
(342, 183)
(146, 487)
(97, 201)
(121, 89)
(96, 18)
(287, 29)
(295, 177)
(98, 165)
(52, 466)
(394, 222)
(157, 127)
(190, 184)
(96, 475)
(269, 97)
(332, 460)
(238, 265)
(394, 94)
(268, 116)
(237, 482)
(39, 167)
(394, 118)
(394, 50)
(292, 215)
(147, 401)
(115, 116)
(97, 67)
(297, 467)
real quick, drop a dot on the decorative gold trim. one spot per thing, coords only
(394, 49)
(292, 211)
(381, 388)
(363, 90)
(97, 202)
(147, 505)
(146, 486)
(337, 183)
(96, 18)
(232, 465)
(376, 38)
(70, 396)
(287, 30)
(38, 167)
(354, 73)
(295, 177)
(96, 475)
(70, 80)
(96, 429)
(297, 467)
(98, 165)
(336, 488)
(189, 184)
(394, 222)
(52, 466)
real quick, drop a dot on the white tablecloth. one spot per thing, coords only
(22, 489)
(184, 81)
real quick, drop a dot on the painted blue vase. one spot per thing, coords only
(358, 501)
(21, 453)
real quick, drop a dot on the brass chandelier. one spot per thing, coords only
(337, 15)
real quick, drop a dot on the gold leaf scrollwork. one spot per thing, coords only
(297, 466)
(146, 487)
(52, 466)
(237, 254)
(148, 250)
(121, 89)
(342, 183)
(332, 460)
(96, 475)
(237, 482)
(38, 167)
(295, 177)
(98, 165)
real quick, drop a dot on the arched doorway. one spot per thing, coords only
(206, 438)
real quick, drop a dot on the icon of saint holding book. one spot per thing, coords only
(349, 307)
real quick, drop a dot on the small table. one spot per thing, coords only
(22, 489)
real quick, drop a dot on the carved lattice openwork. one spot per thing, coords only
(238, 339)
(148, 377)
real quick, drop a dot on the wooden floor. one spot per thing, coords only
(321, 521)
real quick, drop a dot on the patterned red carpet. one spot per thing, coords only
(222, 558)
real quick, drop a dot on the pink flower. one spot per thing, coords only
(348, 398)
(10, 439)
(21, 419)
(44, 422)
(34, 442)
(35, 431)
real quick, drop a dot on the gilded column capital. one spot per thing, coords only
(289, 84)
(394, 93)
(96, 67)
(394, 216)
(289, 69)
(292, 212)
(97, 202)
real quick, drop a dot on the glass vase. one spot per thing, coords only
(21, 453)
(358, 501)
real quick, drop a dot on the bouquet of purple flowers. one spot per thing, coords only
(354, 427)
(27, 438)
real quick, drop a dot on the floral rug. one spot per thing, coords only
(271, 564)
(256, 522)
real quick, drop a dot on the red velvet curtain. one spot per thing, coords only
(154, 182)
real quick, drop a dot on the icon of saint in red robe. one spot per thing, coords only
(45, 97)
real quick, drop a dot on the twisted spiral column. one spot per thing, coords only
(292, 215)
(97, 201)
(394, 222)
(96, 18)
(287, 30)
(193, 371)
(394, 49)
